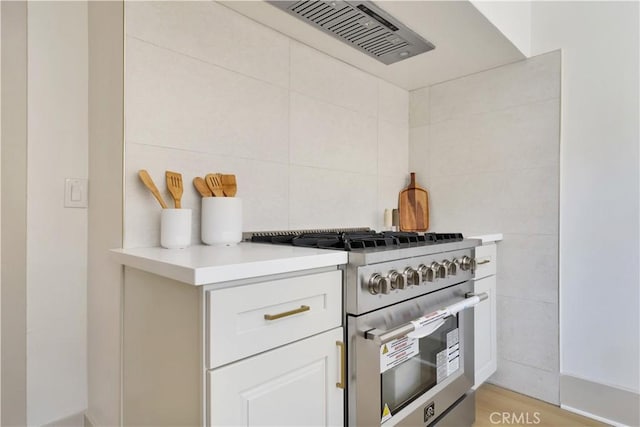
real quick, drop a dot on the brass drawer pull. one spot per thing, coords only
(484, 261)
(341, 384)
(302, 309)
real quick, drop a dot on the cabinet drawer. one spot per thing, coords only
(249, 319)
(485, 261)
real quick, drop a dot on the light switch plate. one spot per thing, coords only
(75, 193)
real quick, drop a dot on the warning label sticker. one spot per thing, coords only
(386, 413)
(448, 360)
(397, 351)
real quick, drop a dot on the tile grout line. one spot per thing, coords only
(499, 110)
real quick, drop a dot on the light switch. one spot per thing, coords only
(75, 193)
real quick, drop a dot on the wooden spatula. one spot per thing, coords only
(229, 185)
(174, 185)
(215, 184)
(201, 187)
(148, 182)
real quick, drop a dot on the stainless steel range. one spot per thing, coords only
(409, 330)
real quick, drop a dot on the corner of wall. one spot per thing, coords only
(106, 105)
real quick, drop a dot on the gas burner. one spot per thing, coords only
(354, 239)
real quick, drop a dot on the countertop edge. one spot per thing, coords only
(236, 270)
(488, 238)
(150, 265)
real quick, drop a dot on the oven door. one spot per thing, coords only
(411, 361)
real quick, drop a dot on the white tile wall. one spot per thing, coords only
(209, 90)
(517, 138)
(393, 103)
(535, 382)
(329, 198)
(528, 332)
(419, 108)
(528, 267)
(488, 146)
(319, 76)
(173, 100)
(393, 148)
(214, 34)
(523, 82)
(327, 136)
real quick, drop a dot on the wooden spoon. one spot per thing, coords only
(174, 185)
(148, 182)
(201, 187)
(215, 184)
(229, 185)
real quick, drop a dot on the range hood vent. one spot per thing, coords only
(360, 24)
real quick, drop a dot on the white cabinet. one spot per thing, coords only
(276, 353)
(293, 385)
(258, 351)
(485, 314)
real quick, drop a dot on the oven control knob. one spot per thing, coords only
(423, 271)
(442, 269)
(432, 272)
(378, 284)
(396, 279)
(413, 277)
(465, 263)
(450, 267)
(456, 265)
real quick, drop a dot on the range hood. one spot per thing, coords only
(361, 25)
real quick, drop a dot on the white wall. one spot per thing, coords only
(14, 221)
(106, 104)
(599, 226)
(486, 146)
(314, 142)
(0, 219)
(599, 185)
(512, 18)
(56, 236)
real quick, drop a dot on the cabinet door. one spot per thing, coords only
(485, 331)
(294, 385)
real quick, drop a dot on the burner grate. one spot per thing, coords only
(352, 239)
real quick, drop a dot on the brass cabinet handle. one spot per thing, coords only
(484, 261)
(342, 367)
(302, 309)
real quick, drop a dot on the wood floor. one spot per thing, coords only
(496, 406)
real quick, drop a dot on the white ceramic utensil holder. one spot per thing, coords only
(221, 220)
(175, 228)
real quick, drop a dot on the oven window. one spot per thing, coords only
(435, 357)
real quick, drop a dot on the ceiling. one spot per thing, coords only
(466, 42)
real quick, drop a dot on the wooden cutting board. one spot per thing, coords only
(413, 206)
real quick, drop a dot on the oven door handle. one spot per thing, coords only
(425, 325)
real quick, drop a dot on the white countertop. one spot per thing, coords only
(201, 264)
(488, 238)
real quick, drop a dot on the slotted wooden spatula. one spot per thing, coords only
(215, 184)
(413, 204)
(174, 185)
(148, 182)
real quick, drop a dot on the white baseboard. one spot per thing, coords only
(592, 416)
(599, 401)
(75, 420)
(87, 421)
